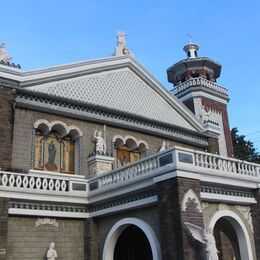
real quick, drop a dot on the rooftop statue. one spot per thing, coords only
(4, 56)
(206, 237)
(121, 40)
(121, 44)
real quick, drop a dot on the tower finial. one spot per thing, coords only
(189, 35)
(191, 50)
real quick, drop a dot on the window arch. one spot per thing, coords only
(128, 149)
(56, 147)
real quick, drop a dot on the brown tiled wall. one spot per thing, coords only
(175, 241)
(4, 203)
(7, 96)
(24, 120)
(91, 239)
(26, 242)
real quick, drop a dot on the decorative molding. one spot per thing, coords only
(46, 221)
(204, 205)
(124, 140)
(191, 197)
(63, 129)
(223, 206)
(227, 191)
(246, 212)
(103, 115)
(2, 251)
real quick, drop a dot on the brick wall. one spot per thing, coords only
(256, 222)
(176, 243)
(223, 108)
(24, 120)
(27, 242)
(4, 203)
(7, 96)
(91, 240)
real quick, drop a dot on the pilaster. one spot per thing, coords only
(176, 243)
(4, 204)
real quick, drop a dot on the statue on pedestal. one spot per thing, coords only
(51, 253)
(100, 143)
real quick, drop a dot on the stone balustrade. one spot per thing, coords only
(199, 82)
(178, 158)
(40, 182)
(125, 173)
(227, 165)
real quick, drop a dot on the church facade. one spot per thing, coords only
(100, 161)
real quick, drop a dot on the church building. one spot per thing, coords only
(99, 161)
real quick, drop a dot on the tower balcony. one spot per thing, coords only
(198, 82)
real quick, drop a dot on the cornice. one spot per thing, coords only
(57, 105)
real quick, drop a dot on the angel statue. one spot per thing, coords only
(206, 237)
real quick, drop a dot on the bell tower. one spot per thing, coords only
(195, 84)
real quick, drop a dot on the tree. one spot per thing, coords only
(243, 149)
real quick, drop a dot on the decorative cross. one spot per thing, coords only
(189, 35)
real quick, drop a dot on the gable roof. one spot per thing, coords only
(117, 83)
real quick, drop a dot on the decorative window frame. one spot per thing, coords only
(63, 130)
(131, 142)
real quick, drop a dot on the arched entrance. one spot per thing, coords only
(132, 244)
(231, 235)
(134, 236)
(226, 240)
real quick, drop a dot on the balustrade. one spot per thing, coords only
(202, 82)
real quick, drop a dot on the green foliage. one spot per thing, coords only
(243, 149)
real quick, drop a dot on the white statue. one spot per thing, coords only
(52, 254)
(121, 41)
(100, 142)
(164, 146)
(4, 56)
(121, 44)
(203, 114)
(206, 237)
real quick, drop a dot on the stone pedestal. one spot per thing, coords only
(99, 164)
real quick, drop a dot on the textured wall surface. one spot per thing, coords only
(7, 96)
(25, 119)
(26, 242)
(176, 243)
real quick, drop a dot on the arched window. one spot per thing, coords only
(56, 147)
(128, 149)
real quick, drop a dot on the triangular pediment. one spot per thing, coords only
(127, 88)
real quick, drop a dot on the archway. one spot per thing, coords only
(234, 234)
(132, 244)
(124, 233)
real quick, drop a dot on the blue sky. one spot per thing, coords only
(45, 33)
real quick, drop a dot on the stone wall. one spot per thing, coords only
(176, 242)
(7, 96)
(4, 203)
(25, 119)
(27, 242)
(256, 222)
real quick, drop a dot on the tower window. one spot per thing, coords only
(195, 52)
(188, 54)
